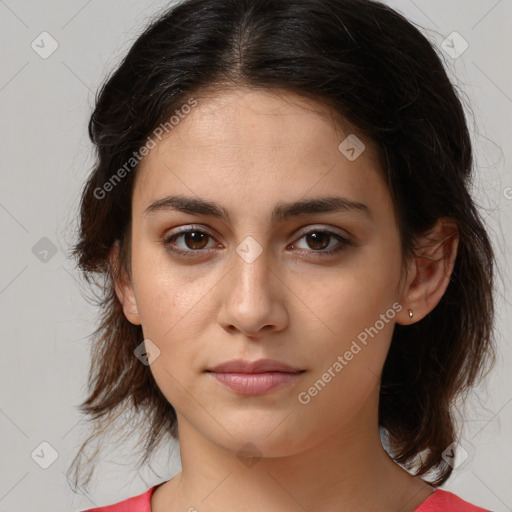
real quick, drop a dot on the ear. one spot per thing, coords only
(430, 271)
(123, 286)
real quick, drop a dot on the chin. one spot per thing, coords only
(279, 434)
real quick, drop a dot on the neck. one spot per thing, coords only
(347, 470)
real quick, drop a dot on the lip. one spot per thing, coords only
(259, 366)
(252, 378)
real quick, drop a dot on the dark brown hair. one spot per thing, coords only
(374, 69)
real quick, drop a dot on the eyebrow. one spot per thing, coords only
(282, 211)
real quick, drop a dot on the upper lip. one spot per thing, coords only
(259, 366)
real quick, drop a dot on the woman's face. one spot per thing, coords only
(266, 277)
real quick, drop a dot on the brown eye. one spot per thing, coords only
(322, 243)
(318, 240)
(188, 241)
(195, 239)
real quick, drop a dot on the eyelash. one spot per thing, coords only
(344, 242)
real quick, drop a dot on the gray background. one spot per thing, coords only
(44, 319)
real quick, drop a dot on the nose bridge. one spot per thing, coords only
(250, 298)
(250, 301)
(251, 267)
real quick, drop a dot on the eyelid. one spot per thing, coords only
(322, 228)
(343, 242)
(343, 239)
(186, 228)
(183, 230)
(303, 231)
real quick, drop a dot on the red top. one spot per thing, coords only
(439, 501)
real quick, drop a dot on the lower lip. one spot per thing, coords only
(253, 384)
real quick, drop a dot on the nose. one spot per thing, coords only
(254, 295)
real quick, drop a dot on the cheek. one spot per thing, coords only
(355, 306)
(355, 298)
(169, 295)
(176, 308)
(172, 312)
(173, 317)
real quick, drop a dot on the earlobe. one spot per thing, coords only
(430, 275)
(123, 286)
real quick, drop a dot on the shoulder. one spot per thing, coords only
(139, 503)
(441, 500)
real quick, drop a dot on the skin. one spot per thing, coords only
(249, 150)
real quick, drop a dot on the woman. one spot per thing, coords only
(297, 281)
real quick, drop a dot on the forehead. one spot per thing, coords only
(246, 141)
(252, 118)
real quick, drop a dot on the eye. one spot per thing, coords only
(192, 240)
(321, 241)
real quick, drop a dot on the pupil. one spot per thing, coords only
(194, 238)
(318, 236)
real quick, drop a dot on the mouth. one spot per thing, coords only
(252, 378)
